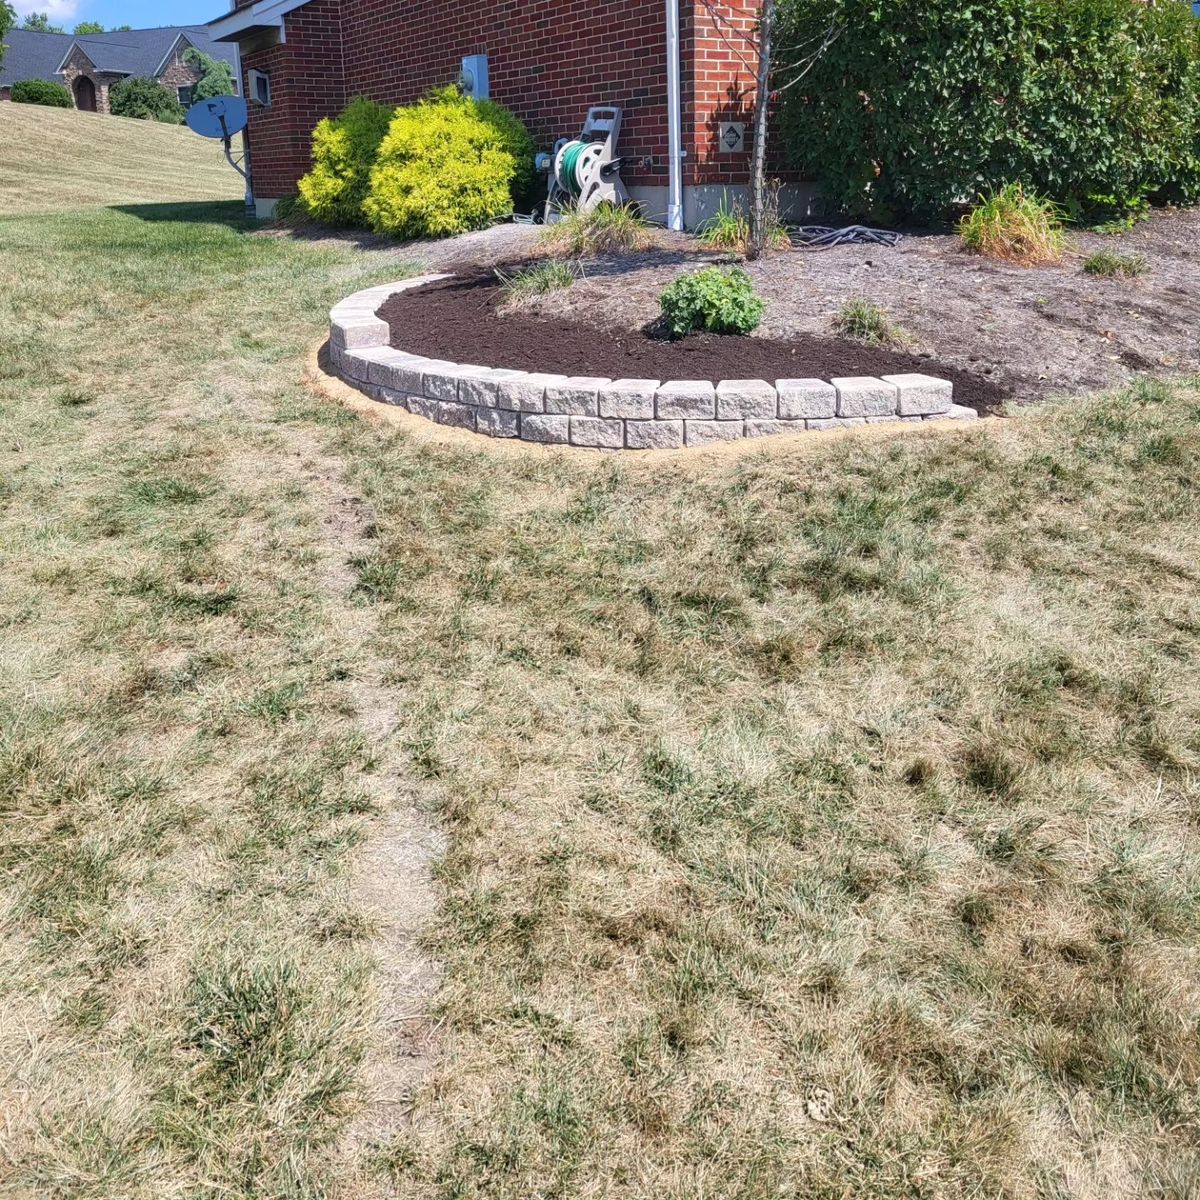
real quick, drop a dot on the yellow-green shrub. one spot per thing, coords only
(446, 166)
(344, 150)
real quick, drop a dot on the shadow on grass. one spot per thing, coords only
(231, 213)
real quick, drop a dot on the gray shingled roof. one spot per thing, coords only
(33, 55)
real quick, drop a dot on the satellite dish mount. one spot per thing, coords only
(221, 117)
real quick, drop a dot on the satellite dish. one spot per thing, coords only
(218, 117)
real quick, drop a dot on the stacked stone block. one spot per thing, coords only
(613, 414)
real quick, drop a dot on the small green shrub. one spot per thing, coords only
(344, 150)
(537, 280)
(861, 321)
(1014, 225)
(41, 91)
(607, 229)
(1110, 265)
(714, 300)
(446, 165)
(146, 100)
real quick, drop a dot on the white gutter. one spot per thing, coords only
(674, 122)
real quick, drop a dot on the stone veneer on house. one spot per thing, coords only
(612, 414)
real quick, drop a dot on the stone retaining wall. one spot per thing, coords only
(612, 414)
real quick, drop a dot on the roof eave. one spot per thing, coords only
(244, 22)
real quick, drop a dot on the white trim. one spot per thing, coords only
(263, 12)
(70, 50)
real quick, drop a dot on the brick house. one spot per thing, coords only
(548, 60)
(89, 64)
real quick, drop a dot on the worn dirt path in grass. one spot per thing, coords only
(391, 881)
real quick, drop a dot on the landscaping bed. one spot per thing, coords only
(1037, 332)
(462, 320)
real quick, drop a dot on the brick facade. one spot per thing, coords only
(549, 60)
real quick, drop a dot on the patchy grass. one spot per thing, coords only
(861, 321)
(821, 820)
(55, 158)
(1110, 265)
(867, 770)
(184, 768)
(1014, 225)
(607, 229)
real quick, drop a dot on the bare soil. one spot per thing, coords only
(1034, 331)
(462, 319)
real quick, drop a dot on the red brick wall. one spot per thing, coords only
(306, 85)
(720, 49)
(549, 60)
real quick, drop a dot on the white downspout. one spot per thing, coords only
(674, 122)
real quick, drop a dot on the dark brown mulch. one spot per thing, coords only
(457, 319)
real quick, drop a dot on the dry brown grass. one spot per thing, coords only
(869, 773)
(818, 824)
(53, 158)
(1014, 225)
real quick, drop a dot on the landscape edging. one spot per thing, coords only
(602, 413)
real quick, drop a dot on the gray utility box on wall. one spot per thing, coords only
(474, 77)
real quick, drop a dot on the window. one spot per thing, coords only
(260, 88)
(185, 95)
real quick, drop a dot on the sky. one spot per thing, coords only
(141, 14)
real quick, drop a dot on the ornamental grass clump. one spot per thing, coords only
(447, 165)
(1109, 265)
(344, 149)
(606, 229)
(538, 280)
(1015, 225)
(729, 228)
(861, 321)
(712, 300)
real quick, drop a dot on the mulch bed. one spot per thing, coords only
(458, 320)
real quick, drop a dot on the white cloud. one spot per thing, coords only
(58, 10)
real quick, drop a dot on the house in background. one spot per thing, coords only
(89, 64)
(547, 60)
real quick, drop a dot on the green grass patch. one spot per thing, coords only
(1109, 265)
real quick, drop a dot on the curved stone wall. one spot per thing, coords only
(612, 414)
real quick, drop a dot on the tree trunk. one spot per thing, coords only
(758, 153)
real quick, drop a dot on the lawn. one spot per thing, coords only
(819, 822)
(54, 158)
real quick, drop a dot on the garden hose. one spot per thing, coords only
(568, 166)
(823, 237)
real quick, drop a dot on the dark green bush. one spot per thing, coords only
(715, 300)
(41, 91)
(344, 149)
(145, 99)
(920, 105)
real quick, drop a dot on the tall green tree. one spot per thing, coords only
(8, 18)
(216, 77)
(88, 27)
(40, 23)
